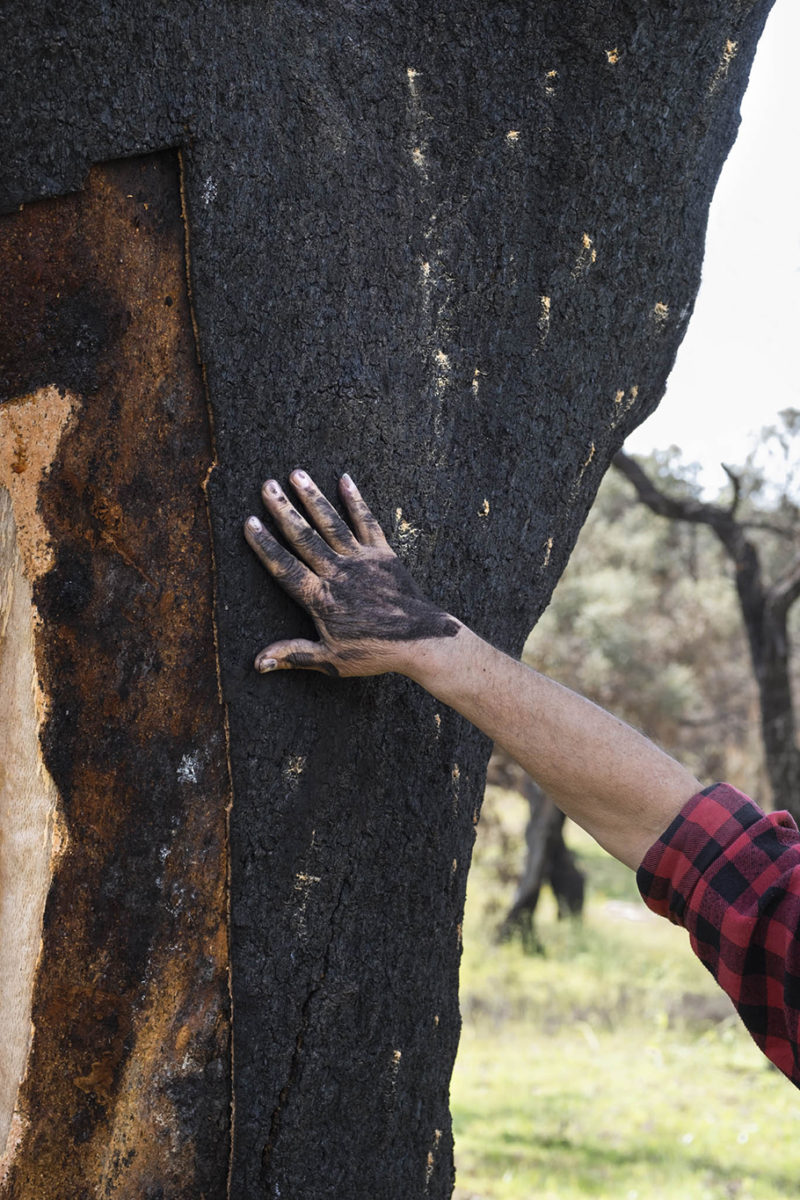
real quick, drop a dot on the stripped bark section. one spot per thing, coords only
(127, 1084)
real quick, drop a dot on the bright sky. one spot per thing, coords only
(739, 363)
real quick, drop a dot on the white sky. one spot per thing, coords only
(739, 363)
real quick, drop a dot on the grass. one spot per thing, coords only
(611, 1065)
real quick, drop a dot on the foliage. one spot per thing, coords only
(612, 1066)
(645, 622)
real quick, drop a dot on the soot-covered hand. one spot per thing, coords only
(365, 605)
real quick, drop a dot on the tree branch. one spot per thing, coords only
(677, 508)
(783, 593)
(737, 487)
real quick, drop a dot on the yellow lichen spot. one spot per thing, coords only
(543, 323)
(551, 75)
(403, 529)
(425, 268)
(418, 157)
(411, 74)
(476, 381)
(455, 777)
(394, 1068)
(437, 720)
(295, 765)
(436, 1020)
(660, 314)
(582, 472)
(728, 55)
(613, 56)
(303, 881)
(442, 363)
(483, 511)
(454, 867)
(547, 552)
(623, 404)
(512, 135)
(586, 256)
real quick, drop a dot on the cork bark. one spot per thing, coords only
(451, 248)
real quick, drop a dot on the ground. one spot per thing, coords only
(611, 1066)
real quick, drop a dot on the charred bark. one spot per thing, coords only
(764, 607)
(451, 249)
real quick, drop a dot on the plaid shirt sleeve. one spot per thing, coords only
(731, 875)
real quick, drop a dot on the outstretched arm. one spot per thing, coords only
(371, 618)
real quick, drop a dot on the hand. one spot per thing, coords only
(367, 609)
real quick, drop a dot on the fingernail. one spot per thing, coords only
(300, 477)
(348, 483)
(272, 487)
(266, 664)
(254, 524)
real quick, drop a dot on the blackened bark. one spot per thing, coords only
(764, 607)
(451, 248)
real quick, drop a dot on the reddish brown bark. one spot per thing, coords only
(127, 1085)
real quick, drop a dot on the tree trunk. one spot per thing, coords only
(764, 608)
(451, 249)
(548, 859)
(778, 728)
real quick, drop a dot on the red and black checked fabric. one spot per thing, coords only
(730, 874)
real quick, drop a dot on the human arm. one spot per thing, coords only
(372, 618)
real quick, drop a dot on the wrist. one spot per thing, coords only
(439, 664)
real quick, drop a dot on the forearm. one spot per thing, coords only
(371, 617)
(608, 778)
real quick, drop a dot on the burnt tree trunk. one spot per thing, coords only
(451, 248)
(764, 606)
(548, 860)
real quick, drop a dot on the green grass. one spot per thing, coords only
(611, 1065)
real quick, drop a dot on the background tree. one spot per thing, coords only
(767, 585)
(640, 624)
(548, 859)
(451, 248)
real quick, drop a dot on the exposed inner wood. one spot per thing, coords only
(30, 432)
(27, 804)
(113, 868)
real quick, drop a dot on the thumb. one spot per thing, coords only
(295, 654)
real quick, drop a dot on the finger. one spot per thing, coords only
(295, 654)
(368, 530)
(336, 533)
(290, 573)
(296, 529)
